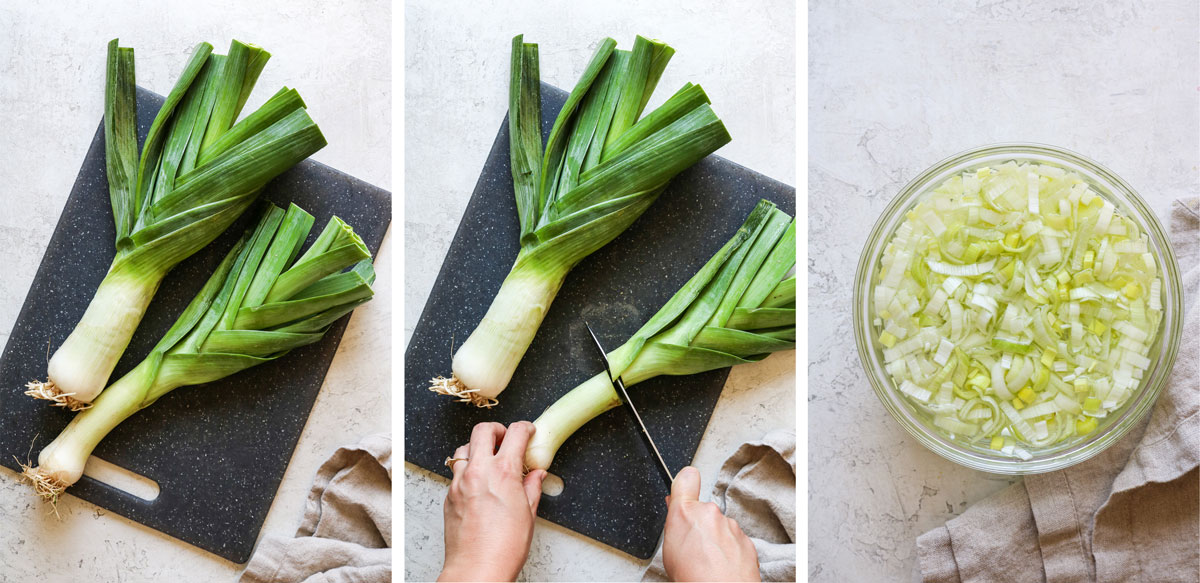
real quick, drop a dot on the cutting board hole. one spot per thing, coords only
(108, 473)
(552, 485)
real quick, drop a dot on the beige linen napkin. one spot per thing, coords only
(757, 488)
(1129, 514)
(346, 533)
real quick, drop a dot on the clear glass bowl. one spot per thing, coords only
(1071, 451)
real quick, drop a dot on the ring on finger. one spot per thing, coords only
(450, 461)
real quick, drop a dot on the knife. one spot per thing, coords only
(668, 478)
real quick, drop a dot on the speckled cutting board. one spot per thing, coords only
(218, 451)
(613, 491)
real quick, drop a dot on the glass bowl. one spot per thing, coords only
(1116, 424)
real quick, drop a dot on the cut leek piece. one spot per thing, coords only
(1040, 289)
(695, 331)
(239, 319)
(602, 167)
(198, 171)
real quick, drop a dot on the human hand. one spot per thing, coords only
(700, 543)
(490, 508)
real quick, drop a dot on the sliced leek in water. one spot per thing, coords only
(1016, 306)
(602, 167)
(198, 172)
(264, 299)
(698, 329)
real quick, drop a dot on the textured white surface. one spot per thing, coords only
(457, 56)
(896, 86)
(338, 54)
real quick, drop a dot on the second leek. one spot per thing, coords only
(264, 300)
(738, 308)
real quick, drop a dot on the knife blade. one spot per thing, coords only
(668, 478)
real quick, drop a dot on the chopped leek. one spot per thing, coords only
(601, 168)
(261, 302)
(1028, 294)
(692, 332)
(197, 173)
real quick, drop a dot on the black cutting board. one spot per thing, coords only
(613, 491)
(218, 451)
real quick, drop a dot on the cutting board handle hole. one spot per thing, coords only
(552, 485)
(115, 476)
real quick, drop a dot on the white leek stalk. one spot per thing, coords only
(723, 316)
(93, 348)
(601, 168)
(197, 173)
(261, 302)
(487, 359)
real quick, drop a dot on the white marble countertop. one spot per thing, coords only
(456, 67)
(896, 86)
(338, 54)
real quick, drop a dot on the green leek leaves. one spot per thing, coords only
(253, 308)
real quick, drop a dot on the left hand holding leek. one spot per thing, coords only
(490, 507)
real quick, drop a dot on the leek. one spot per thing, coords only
(261, 302)
(602, 167)
(695, 331)
(1030, 318)
(198, 172)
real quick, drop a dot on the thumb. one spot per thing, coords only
(533, 489)
(686, 486)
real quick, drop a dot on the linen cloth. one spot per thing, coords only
(346, 533)
(1129, 514)
(757, 487)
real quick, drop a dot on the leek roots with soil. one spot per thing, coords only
(602, 167)
(264, 299)
(738, 308)
(198, 171)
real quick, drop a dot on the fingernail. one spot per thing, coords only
(688, 469)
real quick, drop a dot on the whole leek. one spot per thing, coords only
(602, 167)
(197, 173)
(261, 302)
(738, 308)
